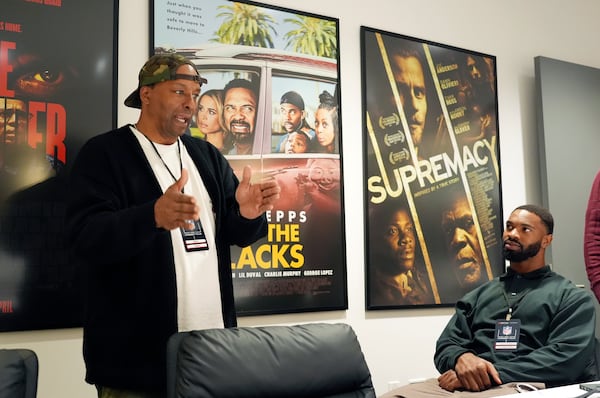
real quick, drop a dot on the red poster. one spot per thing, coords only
(56, 91)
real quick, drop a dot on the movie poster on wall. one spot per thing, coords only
(272, 102)
(56, 91)
(432, 197)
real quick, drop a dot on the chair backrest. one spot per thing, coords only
(18, 373)
(305, 361)
(597, 357)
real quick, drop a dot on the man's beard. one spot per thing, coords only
(241, 131)
(290, 127)
(243, 138)
(524, 254)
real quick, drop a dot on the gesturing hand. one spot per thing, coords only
(256, 198)
(174, 209)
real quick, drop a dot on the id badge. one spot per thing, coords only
(506, 336)
(194, 239)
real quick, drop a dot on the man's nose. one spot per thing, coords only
(513, 232)
(190, 101)
(413, 101)
(459, 237)
(239, 114)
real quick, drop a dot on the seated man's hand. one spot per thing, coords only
(449, 381)
(474, 373)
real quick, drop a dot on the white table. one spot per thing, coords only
(570, 391)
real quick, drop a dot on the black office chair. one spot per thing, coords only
(18, 373)
(597, 358)
(310, 361)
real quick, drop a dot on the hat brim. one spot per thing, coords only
(134, 100)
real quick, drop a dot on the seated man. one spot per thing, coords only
(528, 325)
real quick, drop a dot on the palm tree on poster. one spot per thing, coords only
(245, 25)
(313, 36)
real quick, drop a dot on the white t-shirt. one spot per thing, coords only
(198, 289)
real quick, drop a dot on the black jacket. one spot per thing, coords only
(131, 293)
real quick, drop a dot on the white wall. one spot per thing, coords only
(398, 344)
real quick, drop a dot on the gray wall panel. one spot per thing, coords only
(568, 110)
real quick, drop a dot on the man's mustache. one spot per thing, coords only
(513, 240)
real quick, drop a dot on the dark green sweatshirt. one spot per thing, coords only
(556, 344)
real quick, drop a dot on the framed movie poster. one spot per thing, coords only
(272, 102)
(57, 89)
(433, 201)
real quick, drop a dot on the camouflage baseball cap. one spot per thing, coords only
(160, 68)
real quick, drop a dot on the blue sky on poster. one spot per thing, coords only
(193, 23)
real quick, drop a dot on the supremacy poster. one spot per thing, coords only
(272, 102)
(56, 91)
(433, 202)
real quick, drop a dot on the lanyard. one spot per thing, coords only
(510, 307)
(509, 313)
(162, 160)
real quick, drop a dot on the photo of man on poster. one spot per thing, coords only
(240, 101)
(293, 121)
(398, 276)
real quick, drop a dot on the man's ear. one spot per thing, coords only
(144, 94)
(546, 240)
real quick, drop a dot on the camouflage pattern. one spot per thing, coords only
(160, 68)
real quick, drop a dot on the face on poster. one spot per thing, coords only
(432, 171)
(272, 101)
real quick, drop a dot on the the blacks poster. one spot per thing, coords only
(432, 179)
(56, 91)
(272, 101)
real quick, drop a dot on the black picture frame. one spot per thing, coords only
(58, 84)
(433, 210)
(300, 266)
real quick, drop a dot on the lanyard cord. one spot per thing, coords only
(161, 158)
(510, 307)
(509, 313)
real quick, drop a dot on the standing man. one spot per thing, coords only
(528, 325)
(293, 118)
(152, 217)
(239, 111)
